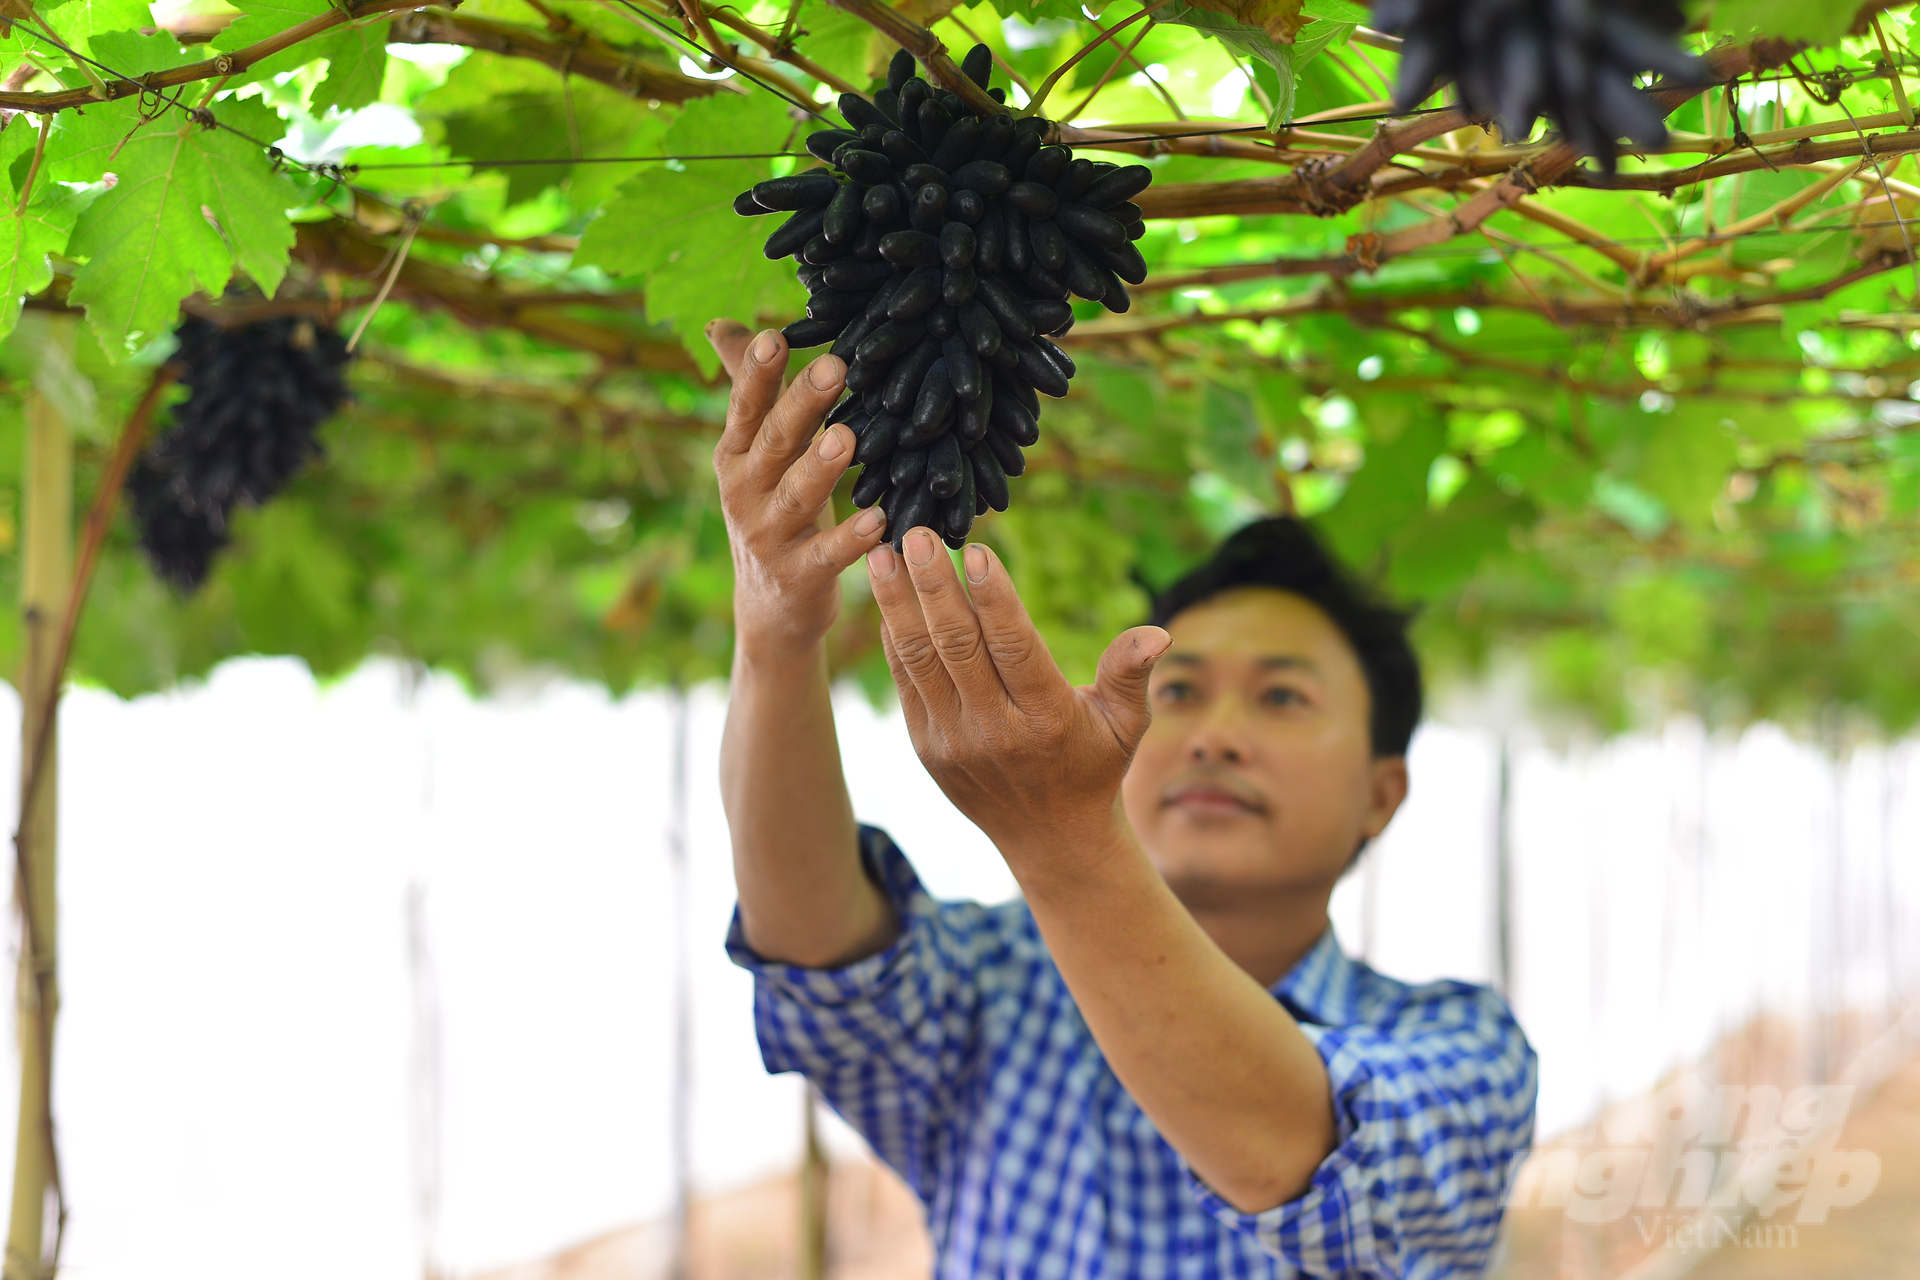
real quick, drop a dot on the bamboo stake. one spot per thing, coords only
(51, 584)
(47, 558)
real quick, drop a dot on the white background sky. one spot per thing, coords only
(235, 1078)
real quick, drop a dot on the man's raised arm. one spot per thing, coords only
(804, 898)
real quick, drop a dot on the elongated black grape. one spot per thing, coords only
(936, 249)
(982, 331)
(990, 478)
(810, 332)
(1006, 308)
(1075, 180)
(795, 232)
(878, 440)
(872, 486)
(1082, 276)
(909, 373)
(944, 467)
(977, 66)
(1123, 183)
(1089, 226)
(1516, 60)
(1006, 453)
(957, 147)
(1049, 243)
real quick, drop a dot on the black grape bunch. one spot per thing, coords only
(257, 393)
(1573, 61)
(939, 252)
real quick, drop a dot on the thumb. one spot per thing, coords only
(1121, 683)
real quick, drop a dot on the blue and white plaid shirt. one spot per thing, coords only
(960, 1055)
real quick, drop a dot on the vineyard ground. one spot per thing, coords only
(875, 1231)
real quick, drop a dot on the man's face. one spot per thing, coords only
(1258, 771)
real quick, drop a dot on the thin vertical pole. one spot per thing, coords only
(1503, 869)
(680, 1121)
(424, 982)
(426, 1081)
(813, 1196)
(45, 581)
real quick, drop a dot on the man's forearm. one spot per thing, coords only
(804, 898)
(1218, 1065)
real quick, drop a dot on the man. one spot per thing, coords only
(1158, 1062)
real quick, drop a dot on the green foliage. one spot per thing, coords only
(673, 225)
(1820, 21)
(1677, 510)
(188, 206)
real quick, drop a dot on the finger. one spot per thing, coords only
(1120, 684)
(803, 503)
(798, 499)
(756, 385)
(912, 709)
(951, 624)
(794, 418)
(912, 647)
(729, 340)
(1019, 654)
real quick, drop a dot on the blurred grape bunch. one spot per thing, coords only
(1572, 61)
(257, 395)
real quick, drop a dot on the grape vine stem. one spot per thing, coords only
(36, 962)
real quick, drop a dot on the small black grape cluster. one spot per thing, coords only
(1572, 61)
(257, 393)
(939, 258)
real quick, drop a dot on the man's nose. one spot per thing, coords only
(1220, 738)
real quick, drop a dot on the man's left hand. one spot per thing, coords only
(1034, 761)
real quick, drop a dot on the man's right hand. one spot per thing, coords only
(776, 479)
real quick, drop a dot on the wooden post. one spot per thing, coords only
(813, 1197)
(46, 577)
(680, 1140)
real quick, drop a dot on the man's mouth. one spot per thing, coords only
(1212, 798)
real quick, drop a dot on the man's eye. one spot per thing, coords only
(1281, 696)
(1176, 691)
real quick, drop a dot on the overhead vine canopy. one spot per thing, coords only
(1649, 430)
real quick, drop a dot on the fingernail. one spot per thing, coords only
(919, 548)
(832, 445)
(977, 563)
(766, 347)
(880, 563)
(825, 373)
(868, 523)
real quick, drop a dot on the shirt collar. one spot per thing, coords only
(1323, 986)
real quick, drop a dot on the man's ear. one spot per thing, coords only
(1389, 789)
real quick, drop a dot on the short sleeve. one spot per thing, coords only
(1434, 1112)
(888, 1040)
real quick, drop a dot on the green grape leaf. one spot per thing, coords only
(27, 239)
(1821, 21)
(535, 126)
(135, 54)
(246, 196)
(1253, 41)
(678, 229)
(1388, 493)
(78, 21)
(1687, 458)
(262, 18)
(186, 204)
(837, 40)
(1442, 549)
(356, 62)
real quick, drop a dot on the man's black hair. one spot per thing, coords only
(1283, 553)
